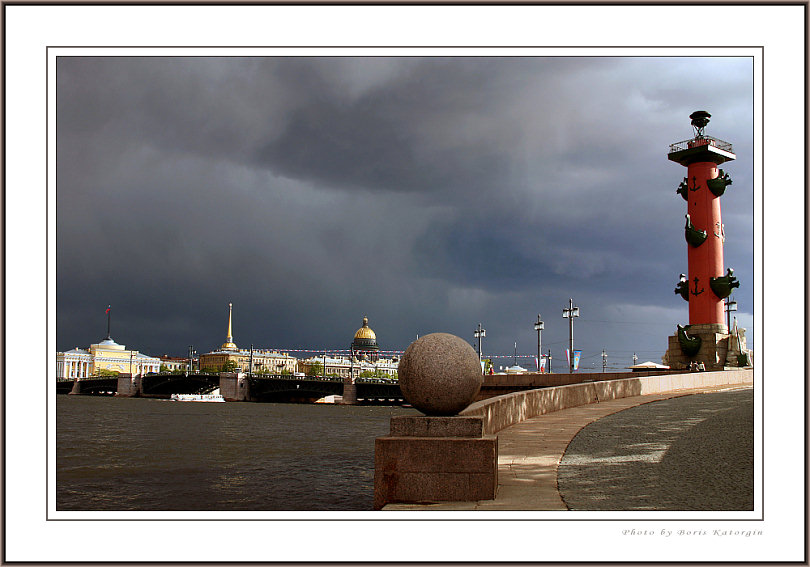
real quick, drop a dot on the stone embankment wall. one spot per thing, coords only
(499, 384)
(502, 411)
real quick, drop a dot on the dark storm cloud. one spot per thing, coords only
(426, 193)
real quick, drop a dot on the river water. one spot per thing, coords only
(123, 454)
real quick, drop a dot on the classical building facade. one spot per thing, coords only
(264, 361)
(105, 356)
(341, 367)
(176, 363)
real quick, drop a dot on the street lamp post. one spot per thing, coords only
(191, 353)
(604, 361)
(479, 334)
(569, 313)
(351, 364)
(731, 305)
(539, 328)
(548, 357)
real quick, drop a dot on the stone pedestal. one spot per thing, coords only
(713, 349)
(435, 459)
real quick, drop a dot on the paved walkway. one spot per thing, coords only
(530, 455)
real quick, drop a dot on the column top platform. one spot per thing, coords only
(703, 148)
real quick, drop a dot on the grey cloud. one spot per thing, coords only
(427, 193)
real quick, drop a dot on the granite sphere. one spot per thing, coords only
(440, 374)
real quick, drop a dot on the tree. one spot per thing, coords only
(106, 372)
(315, 369)
(229, 366)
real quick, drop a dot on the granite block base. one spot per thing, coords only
(435, 459)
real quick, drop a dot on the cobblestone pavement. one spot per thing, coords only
(687, 453)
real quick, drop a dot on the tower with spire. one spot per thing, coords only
(229, 344)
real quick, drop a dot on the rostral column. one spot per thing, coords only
(707, 284)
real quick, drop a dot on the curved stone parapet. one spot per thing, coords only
(503, 411)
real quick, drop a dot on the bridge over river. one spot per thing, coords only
(234, 387)
(307, 389)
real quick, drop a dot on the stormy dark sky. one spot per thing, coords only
(429, 194)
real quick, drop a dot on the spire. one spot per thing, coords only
(230, 314)
(228, 344)
(108, 322)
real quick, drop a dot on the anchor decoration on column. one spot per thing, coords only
(695, 291)
(683, 189)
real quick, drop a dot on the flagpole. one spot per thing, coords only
(108, 321)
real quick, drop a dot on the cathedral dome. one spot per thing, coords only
(365, 338)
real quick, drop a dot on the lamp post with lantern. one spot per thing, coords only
(538, 326)
(569, 313)
(479, 333)
(731, 305)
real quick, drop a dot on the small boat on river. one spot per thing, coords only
(214, 396)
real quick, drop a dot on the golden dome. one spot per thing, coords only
(365, 332)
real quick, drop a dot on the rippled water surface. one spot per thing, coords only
(145, 454)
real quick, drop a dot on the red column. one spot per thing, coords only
(706, 260)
